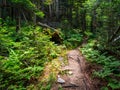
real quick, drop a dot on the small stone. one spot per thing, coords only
(61, 58)
(70, 72)
(60, 80)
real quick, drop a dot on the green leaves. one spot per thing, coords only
(39, 13)
(29, 5)
(48, 2)
(103, 73)
(110, 65)
(24, 60)
(114, 84)
(73, 38)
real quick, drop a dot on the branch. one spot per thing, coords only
(45, 25)
(114, 34)
(117, 38)
(24, 17)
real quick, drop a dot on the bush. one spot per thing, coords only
(73, 38)
(110, 65)
(26, 54)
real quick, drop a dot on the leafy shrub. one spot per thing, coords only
(27, 52)
(73, 38)
(47, 85)
(110, 65)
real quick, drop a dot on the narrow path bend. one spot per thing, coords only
(76, 79)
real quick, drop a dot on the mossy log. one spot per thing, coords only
(55, 36)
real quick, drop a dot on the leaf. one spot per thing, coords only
(114, 84)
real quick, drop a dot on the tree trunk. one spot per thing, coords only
(0, 12)
(18, 20)
(57, 9)
(84, 21)
(12, 13)
(34, 19)
(50, 10)
(93, 22)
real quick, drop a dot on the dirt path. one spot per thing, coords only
(76, 78)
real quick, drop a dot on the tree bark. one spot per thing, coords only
(50, 10)
(93, 21)
(84, 20)
(57, 9)
(0, 12)
(18, 20)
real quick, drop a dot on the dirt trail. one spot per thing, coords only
(76, 79)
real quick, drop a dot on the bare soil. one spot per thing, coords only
(78, 76)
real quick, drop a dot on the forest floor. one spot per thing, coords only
(76, 74)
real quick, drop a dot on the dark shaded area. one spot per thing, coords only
(56, 38)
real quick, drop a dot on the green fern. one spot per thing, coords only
(110, 65)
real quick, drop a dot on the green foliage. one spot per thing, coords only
(48, 2)
(73, 38)
(28, 4)
(89, 34)
(104, 88)
(73, 41)
(25, 3)
(110, 65)
(114, 83)
(48, 84)
(23, 56)
(103, 17)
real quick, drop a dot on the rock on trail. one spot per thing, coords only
(76, 78)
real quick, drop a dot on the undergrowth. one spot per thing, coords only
(110, 71)
(23, 56)
(72, 38)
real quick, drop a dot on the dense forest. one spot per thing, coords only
(35, 36)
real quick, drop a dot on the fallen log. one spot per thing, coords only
(45, 25)
(55, 36)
